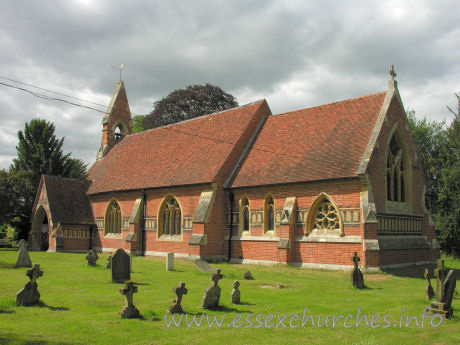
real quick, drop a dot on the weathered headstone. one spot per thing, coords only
(129, 311)
(92, 257)
(444, 291)
(121, 267)
(248, 276)
(23, 255)
(203, 266)
(30, 295)
(212, 293)
(235, 294)
(109, 262)
(357, 279)
(429, 292)
(175, 307)
(169, 261)
(449, 288)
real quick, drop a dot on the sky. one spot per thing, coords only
(294, 54)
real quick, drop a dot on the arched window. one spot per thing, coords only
(396, 171)
(324, 217)
(244, 214)
(169, 217)
(269, 214)
(113, 218)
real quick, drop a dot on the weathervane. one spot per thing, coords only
(121, 69)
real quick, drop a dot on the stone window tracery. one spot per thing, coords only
(170, 217)
(244, 214)
(269, 214)
(326, 217)
(396, 172)
(113, 218)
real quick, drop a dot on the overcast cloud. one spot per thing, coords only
(295, 54)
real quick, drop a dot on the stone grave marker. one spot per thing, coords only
(248, 276)
(92, 257)
(429, 292)
(30, 295)
(445, 288)
(357, 279)
(129, 311)
(109, 262)
(175, 307)
(235, 294)
(23, 255)
(212, 293)
(169, 261)
(203, 266)
(121, 271)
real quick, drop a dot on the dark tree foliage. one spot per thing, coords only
(39, 153)
(189, 103)
(439, 148)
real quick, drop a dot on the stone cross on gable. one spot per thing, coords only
(216, 276)
(355, 260)
(439, 274)
(179, 290)
(392, 72)
(128, 292)
(34, 273)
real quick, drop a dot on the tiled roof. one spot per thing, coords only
(318, 143)
(68, 201)
(189, 152)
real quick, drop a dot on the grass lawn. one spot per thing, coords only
(80, 305)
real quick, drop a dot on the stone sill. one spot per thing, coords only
(256, 238)
(113, 236)
(170, 238)
(329, 239)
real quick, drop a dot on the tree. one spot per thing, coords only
(39, 152)
(189, 103)
(439, 148)
(138, 123)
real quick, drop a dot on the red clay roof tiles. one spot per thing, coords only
(318, 143)
(189, 152)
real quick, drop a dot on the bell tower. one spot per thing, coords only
(117, 121)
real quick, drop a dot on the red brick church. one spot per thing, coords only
(308, 187)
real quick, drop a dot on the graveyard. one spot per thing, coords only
(84, 304)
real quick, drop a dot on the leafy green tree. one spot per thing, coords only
(189, 103)
(138, 123)
(39, 153)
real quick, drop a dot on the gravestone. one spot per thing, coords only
(212, 293)
(248, 276)
(129, 311)
(235, 294)
(203, 266)
(121, 267)
(92, 257)
(109, 262)
(23, 255)
(175, 307)
(30, 295)
(169, 261)
(357, 279)
(449, 288)
(429, 292)
(445, 288)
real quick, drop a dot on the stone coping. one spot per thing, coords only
(256, 238)
(329, 238)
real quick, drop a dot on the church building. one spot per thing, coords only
(308, 187)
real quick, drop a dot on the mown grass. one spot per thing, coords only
(80, 304)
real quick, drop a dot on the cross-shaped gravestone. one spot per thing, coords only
(179, 290)
(34, 273)
(30, 295)
(129, 311)
(429, 293)
(355, 260)
(357, 279)
(23, 255)
(216, 276)
(439, 274)
(235, 294)
(212, 293)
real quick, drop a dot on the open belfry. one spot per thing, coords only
(308, 187)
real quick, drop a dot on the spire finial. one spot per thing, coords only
(392, 72)
(121, 69)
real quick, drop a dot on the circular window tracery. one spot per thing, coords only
(326, 217)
